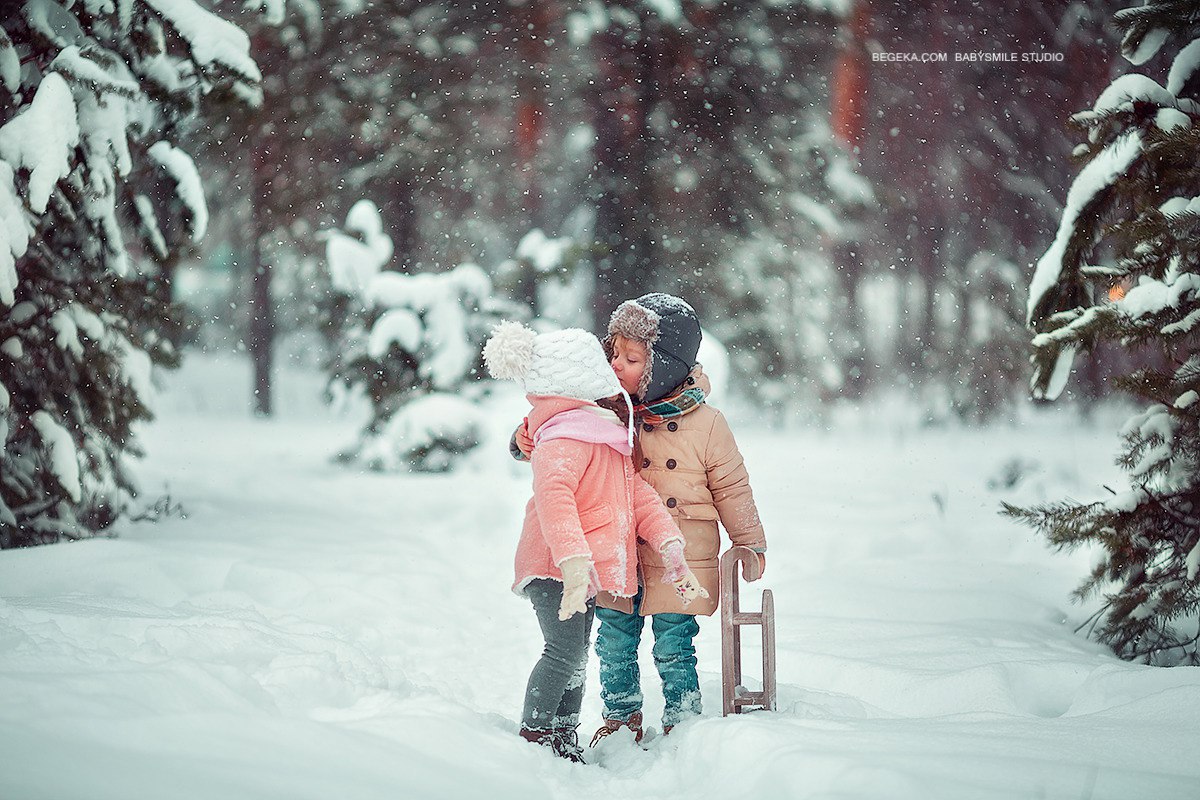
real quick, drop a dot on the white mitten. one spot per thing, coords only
(677, 572)
(688, 588)
(575, 572)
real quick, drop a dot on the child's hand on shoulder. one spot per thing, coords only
(524, 440)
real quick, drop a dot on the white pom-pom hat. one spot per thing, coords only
(566, 363)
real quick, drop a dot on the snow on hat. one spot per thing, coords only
(670, 331)
(566, 363)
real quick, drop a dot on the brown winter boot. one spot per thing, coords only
(538, 736)
(563, 741)
(611, 726)
(567, 745)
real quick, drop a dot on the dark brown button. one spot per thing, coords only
(645, 463)
(671, 502)
(691, 381)
(672, 426)
(647, 427)
(670, 463)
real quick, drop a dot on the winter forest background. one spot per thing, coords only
(846, 225)
(964, 210)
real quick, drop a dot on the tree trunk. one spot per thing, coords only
(534, 24)
(624, 206)
(917, 306)
(847, 260)
(398, 210)
(262, 313)
(849, 85)
(849, 99)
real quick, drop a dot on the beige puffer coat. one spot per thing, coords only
(694, 464)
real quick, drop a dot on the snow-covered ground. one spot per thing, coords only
(309, 631)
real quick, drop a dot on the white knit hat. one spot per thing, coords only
(566, 363)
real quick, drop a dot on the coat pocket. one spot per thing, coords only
(701, 510)
(612, 555)
(702, 541)
(595, 518)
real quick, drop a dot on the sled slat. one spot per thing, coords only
(735, 696)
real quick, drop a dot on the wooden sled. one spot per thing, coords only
(736, 698)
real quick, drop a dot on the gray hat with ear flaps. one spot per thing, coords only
(670, 331)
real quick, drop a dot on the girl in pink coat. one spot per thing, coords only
(588, 510)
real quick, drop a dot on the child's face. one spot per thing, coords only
(628, 362)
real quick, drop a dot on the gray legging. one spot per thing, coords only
(555, 691)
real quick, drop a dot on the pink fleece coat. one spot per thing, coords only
(587, 501)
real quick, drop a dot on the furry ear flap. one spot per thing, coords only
(634, 321)
(509, 351)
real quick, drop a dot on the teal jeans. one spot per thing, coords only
(674, 656)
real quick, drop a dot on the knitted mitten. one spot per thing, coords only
(687, 586)
(673, 560)
(576, 579)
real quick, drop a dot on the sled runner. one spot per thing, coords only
(736, 698)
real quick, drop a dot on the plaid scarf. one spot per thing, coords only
(676, 405)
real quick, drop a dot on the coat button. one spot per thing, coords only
(672, 426)
(645, 463)
(672, 502)
(647, 427)
(670, 463)
(691, 381)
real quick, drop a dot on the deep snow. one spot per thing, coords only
(311, 631)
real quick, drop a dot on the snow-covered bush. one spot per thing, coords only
(95, 198)
(1124, 268)
(411, 344)
(550, 273)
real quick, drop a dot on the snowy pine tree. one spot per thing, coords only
(95, 200)
(1125, 268)
(553, 272)
(782, 303)
(716, 178)
(410, 344)
(423, 120)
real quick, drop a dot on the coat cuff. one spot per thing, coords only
(515, 451)
(671, 540)
(755, 539)
(587, 554)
